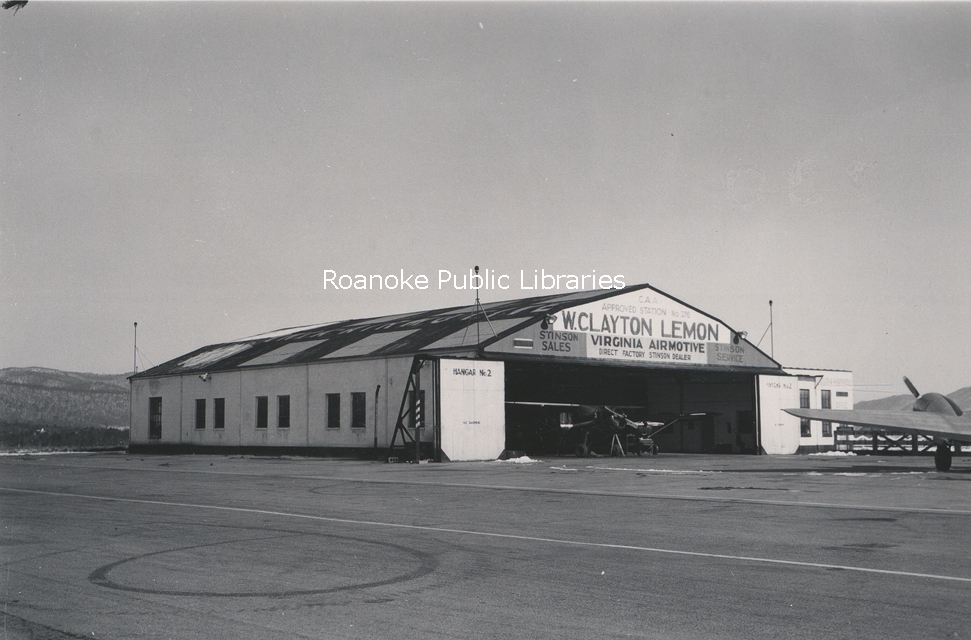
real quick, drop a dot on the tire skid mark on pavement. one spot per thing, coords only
(426, 563)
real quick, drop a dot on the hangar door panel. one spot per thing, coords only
(780, 431)
(473, 425)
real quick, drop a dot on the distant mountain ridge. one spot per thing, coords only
(41, 396)
(905, 402)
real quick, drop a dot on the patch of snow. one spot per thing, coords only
(27, 452)
(833, 453)
(671, 471)
(520, 460)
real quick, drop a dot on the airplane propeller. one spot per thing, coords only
(933, 402)
(910, 385)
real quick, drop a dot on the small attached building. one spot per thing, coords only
(473, 381)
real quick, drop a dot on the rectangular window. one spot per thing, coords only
(333, 411)
(262, 412)
(200, 414)
(804, 429)
(825, 399)
(358, 410)
(155, 418)
(283, 412)
(804, 398)
(827, 429)
(842, 394)
(219, 413)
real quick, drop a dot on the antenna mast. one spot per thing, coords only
(476, 310)
(771, 333)
(477, 307)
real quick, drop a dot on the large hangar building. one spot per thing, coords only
(475, 381)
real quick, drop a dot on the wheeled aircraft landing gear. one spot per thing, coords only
(942, 457)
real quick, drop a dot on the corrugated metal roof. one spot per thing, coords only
(404, 334)
(474, 334)
(280, 354)
(369, 344)
(456, 330)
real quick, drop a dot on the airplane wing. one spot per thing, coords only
(919, 422)
(543, 404)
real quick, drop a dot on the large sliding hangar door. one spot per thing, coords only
(642, 354)
(693, 412)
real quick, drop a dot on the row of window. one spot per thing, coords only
(358, 413)
(825, 402)
(218, 413)
(358, 409)
(805, 428)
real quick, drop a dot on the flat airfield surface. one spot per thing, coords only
(675, 546)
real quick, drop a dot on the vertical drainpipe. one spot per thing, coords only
(758, 415)
(181, 405)
(377, 392)
(131, 409)
(436, 398)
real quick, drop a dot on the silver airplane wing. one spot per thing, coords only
(920, 422)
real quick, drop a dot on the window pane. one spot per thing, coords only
(804, 398)
(825, 401)
(155, 418)
(804, 428)
(283, 412)
(219, 413)
(358, 410)
(333, 411)
(262, 411)
(200, 414)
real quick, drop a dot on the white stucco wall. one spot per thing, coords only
(307, 387)
(816, 381)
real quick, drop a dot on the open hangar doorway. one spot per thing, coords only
(691, 411)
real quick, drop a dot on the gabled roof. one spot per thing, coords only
(452, 330)
(655, 330)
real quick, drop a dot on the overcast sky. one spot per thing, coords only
(198, 167)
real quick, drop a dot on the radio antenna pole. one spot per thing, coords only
(476, 310)
(771, 333)
(134, 369)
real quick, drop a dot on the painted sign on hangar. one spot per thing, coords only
(643, 326)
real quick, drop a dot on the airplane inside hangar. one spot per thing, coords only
(561, 373)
